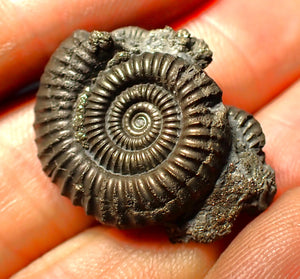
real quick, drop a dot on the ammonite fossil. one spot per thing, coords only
(131, 128)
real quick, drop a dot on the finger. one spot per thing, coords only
(280, 121)
(255, 46)
(31, 30)
(33, 215)
(105, 253)
(269, 247)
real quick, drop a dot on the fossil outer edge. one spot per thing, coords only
(130, 127)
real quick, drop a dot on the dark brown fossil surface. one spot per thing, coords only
(131, 128)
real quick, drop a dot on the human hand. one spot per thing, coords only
(257, 65)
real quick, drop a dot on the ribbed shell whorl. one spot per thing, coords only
(248, 131)
(138, 143)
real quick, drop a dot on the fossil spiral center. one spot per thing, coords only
(141, 118)
(140, 121)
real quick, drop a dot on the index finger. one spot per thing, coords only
(31, 30)
(255, 47)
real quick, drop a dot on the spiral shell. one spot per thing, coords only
(131, 128)
(138, 143)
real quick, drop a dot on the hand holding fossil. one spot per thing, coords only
(256, 58)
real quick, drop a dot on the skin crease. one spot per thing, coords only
(256, 63)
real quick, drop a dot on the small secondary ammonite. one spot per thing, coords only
(131, 128)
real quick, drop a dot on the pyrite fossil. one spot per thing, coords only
(131, 128)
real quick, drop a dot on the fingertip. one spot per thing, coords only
(269, 246)
(280, 121)
(254, 57)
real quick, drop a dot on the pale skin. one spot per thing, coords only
(256, 63)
